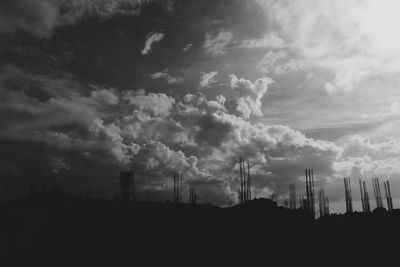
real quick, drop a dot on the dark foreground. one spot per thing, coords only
(57, 229)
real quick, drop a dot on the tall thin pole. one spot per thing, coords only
(362, 196)
(173, 174)
(248, 181)
(366, 197)
(390, 195)
(307, 193)
(241, 180)
(312, 191)
(180, 189)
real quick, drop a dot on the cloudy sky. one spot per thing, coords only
(88, 88)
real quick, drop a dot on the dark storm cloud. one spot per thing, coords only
(37, 17)
(212, 131)
(40, 17)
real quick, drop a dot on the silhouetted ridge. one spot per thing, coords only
(41, 229)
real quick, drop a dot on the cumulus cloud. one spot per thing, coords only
(361, 158)
(277, 153)
(269, 40)
(152, 38)
(207, 79)
(159, 155)
(142, 127)
(105, 96)
(221, 99)
(164, 75)
(345, 81)
(112, 140)
(250, 94)
(218, 103)
(277, 62)
(216, 45)
(212, 130)
(156, 104)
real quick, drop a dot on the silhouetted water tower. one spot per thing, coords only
(127, 182)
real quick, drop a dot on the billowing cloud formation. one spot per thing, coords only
(105, 96)
(361, 158)
(152, 39)
(157, 133)
(250, 94)
(207, 79)
(215, 45)
(156, 104)
(160, 156)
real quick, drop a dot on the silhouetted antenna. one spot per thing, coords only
(248, 182)
(241, 198)
(323, 203)
(244, 182)
(302, 202)
(377, 192)
(326, 212)
(310, 202)
(388, 194)
(178, 180)
(181, 189)
(274, 197)
(292, 196)
(244, 194)
(347, 189)
(193, 196)
(312, 192)
(286, 203)
(127, 182)
(364, 196)
(228, 201)
(174, 178)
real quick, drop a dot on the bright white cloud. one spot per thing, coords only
(207, 79)
(216, 45)
(107, 97)
(362, 158)
(152, 38)
(164, 75)
(269, 40)
(157, 104)
(351, 38)
(250, 94)
(278, 63)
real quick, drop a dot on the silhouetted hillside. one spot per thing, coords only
(58, 229)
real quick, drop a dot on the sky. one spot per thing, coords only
(90, 88)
